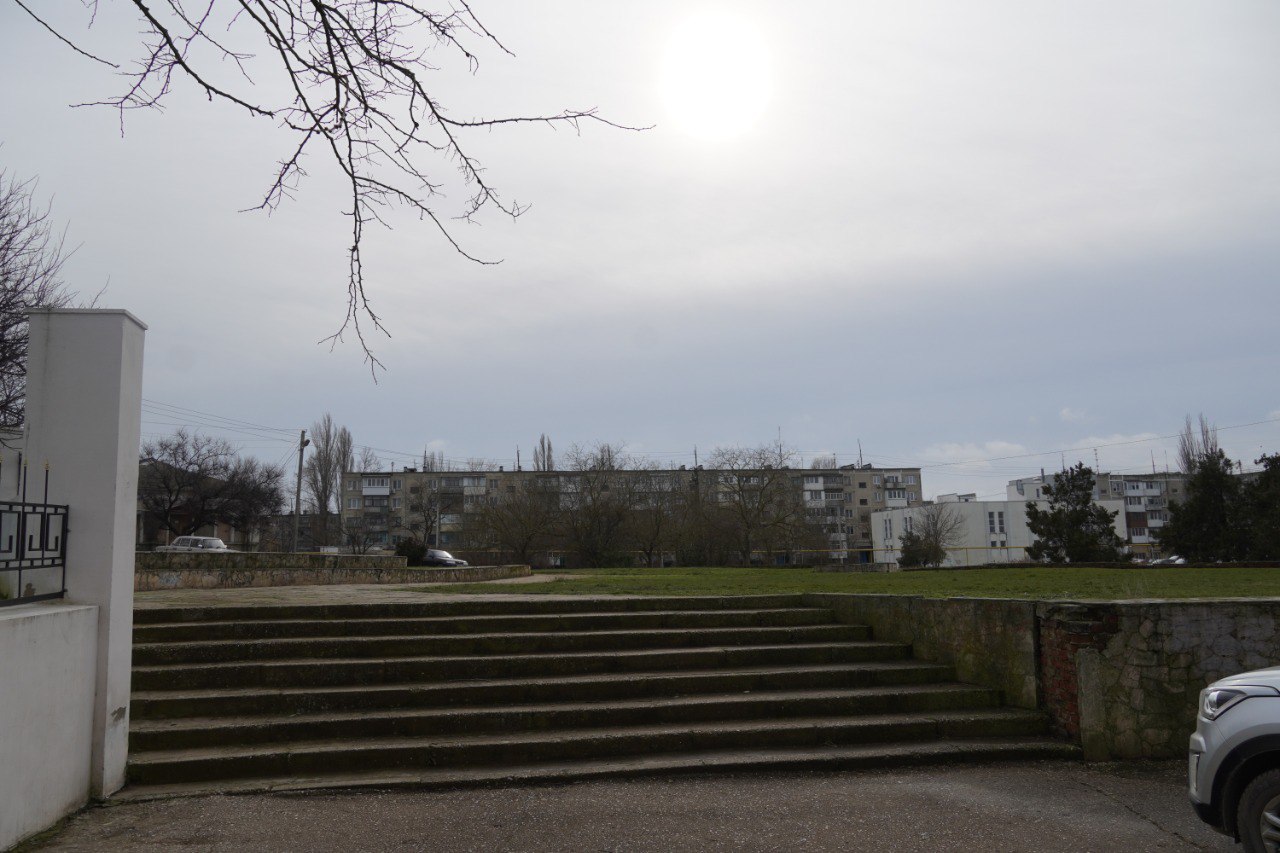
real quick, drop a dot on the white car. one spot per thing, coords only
(1234, 761)
(204, 544)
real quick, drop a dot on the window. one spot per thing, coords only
(862, 501)
(862, 484)
(1139, 531)
(812, 481)
(1000, 521)
(906, 523)
(395, 503)
(1133, 501)
(875, 478)
(888, 529)
(353, 503)
(352, 485)
(397, 484)
(911, 496)
(876, 496)
(895, 494)
(911, 479)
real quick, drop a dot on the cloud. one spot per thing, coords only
(969, 456)
(1071, 415)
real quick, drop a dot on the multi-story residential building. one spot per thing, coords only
(381, 508)
(1142, 500)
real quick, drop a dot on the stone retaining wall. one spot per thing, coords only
(210, 577)
(1121, 678)
(1136, 668)
(183, 561)
(989, 641)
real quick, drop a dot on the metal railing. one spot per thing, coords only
(33, 536)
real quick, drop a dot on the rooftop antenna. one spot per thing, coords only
(517, 457)
(1153, 461)
(1097, 466)
(695, 456)
(859, 453)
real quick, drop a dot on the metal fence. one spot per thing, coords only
(33, 539)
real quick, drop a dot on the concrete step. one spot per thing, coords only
(346, 756)
(170, 704)
(826, 758)
(367, 671)
(218, 651)
(148, 614)
(191, 733)
(177, 632)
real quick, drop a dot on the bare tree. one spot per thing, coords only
(660, 501)
(543, 456)
(755, 491)
(368, 461)
(358, 89)
(330, 458)
(932, 531)
(433, 461)
(522, 522)
(1196, 444)
(255, 493)
(183, 480)
(596, 499)
(31, 259)
(824, 462)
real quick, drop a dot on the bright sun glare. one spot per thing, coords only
(716, 79)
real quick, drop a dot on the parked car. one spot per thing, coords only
(1234, 764)
(441, 558)
(184, 544)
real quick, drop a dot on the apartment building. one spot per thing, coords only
(382, 508)
(1142, 500)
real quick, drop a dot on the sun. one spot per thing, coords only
(716, 78)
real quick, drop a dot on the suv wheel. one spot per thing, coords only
(1258, 818)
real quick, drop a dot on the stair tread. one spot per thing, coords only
(337, 745)
(330, 662)
(586, 614)
(505, 635)
(908, 665)
(182, 723)
(868, 757)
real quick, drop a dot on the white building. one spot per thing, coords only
(990, 532)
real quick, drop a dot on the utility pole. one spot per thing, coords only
(297, 492)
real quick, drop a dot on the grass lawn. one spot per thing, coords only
(1041, 583)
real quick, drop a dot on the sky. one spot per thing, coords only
(982, 238)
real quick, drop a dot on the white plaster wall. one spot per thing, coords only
(48, 658)
(974, 547)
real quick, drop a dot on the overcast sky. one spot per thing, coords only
(952, 232)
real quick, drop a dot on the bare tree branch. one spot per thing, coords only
(357, 76)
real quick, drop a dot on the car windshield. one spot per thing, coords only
(212, 543)
(444, 555)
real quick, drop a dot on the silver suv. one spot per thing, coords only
(1234, 765)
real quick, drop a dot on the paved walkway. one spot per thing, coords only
(370, 593)
(1051, 807)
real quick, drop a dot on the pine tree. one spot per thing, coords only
(1073, 529)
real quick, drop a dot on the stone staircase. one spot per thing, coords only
(488, 690)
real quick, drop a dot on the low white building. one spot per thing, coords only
(990, 531)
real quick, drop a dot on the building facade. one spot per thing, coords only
(444, 508)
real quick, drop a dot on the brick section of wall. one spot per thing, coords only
(1065, 629)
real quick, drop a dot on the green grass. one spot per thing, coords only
(1050, 582)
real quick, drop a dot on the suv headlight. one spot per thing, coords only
(1216, 701)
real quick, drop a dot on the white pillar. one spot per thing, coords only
(84, 417)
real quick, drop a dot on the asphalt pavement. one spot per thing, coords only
(1038, 807)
